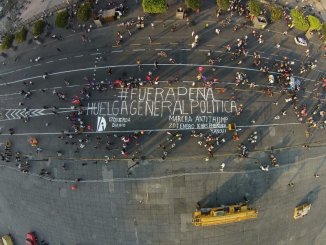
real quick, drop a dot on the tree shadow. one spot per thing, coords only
(239, 188)
(311, 197)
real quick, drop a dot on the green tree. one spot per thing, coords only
(84, 12)
(300, 22)
(193, 4)
(223, 4)
(20, 36)
(61, 19)
(38, 27)
(154, 6)
(276, 12)
(323, 31)
(254, 7)
(314, 23)
(7, 41)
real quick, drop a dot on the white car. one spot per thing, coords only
(300, 41)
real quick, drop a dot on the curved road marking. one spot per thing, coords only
(135, 65)
(166, 176)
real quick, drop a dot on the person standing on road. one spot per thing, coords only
(307, 53)
(196, 38)
(139, 64)
(155, 65)
(149, 39)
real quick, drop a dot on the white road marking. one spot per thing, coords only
(27, 67)
(158, 49)
(130, 179)
(14, 114)
(186, 49)
(49, 61)
(140, 49)
(135, 65)
(116, 51)
(95, 54)
(77, 56)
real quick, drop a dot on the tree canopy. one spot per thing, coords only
(323, 31)
(38, 27)
(223, 4)
(20, 36)
(254, 7)
(300, 22)
(61, 19)
(7, 41)
(193, 4)
(154, 6)
(276, 12)
(314, 23)
(84, 12)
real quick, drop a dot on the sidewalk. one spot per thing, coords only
(39, 6)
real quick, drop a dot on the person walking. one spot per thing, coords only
(150, 39)
(196, 38)
(138, 64)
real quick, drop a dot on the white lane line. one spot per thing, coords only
(116, 51)
(27, 67)
(37, 65)
(203, 50)
(161, 177)
(63, 58)
(135, 65)
(140, 49)
(49, 61)
(36, 90)
(158, 49)
(185, 49)
(3, 95)
(77, 56)
(95, 54)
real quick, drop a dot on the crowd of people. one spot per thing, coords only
(280, 77)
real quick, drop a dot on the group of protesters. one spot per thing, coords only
(280, 76)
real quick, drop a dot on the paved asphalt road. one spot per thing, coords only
(154, 202)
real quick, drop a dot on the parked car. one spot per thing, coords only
(300, 41)
(31, 238)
